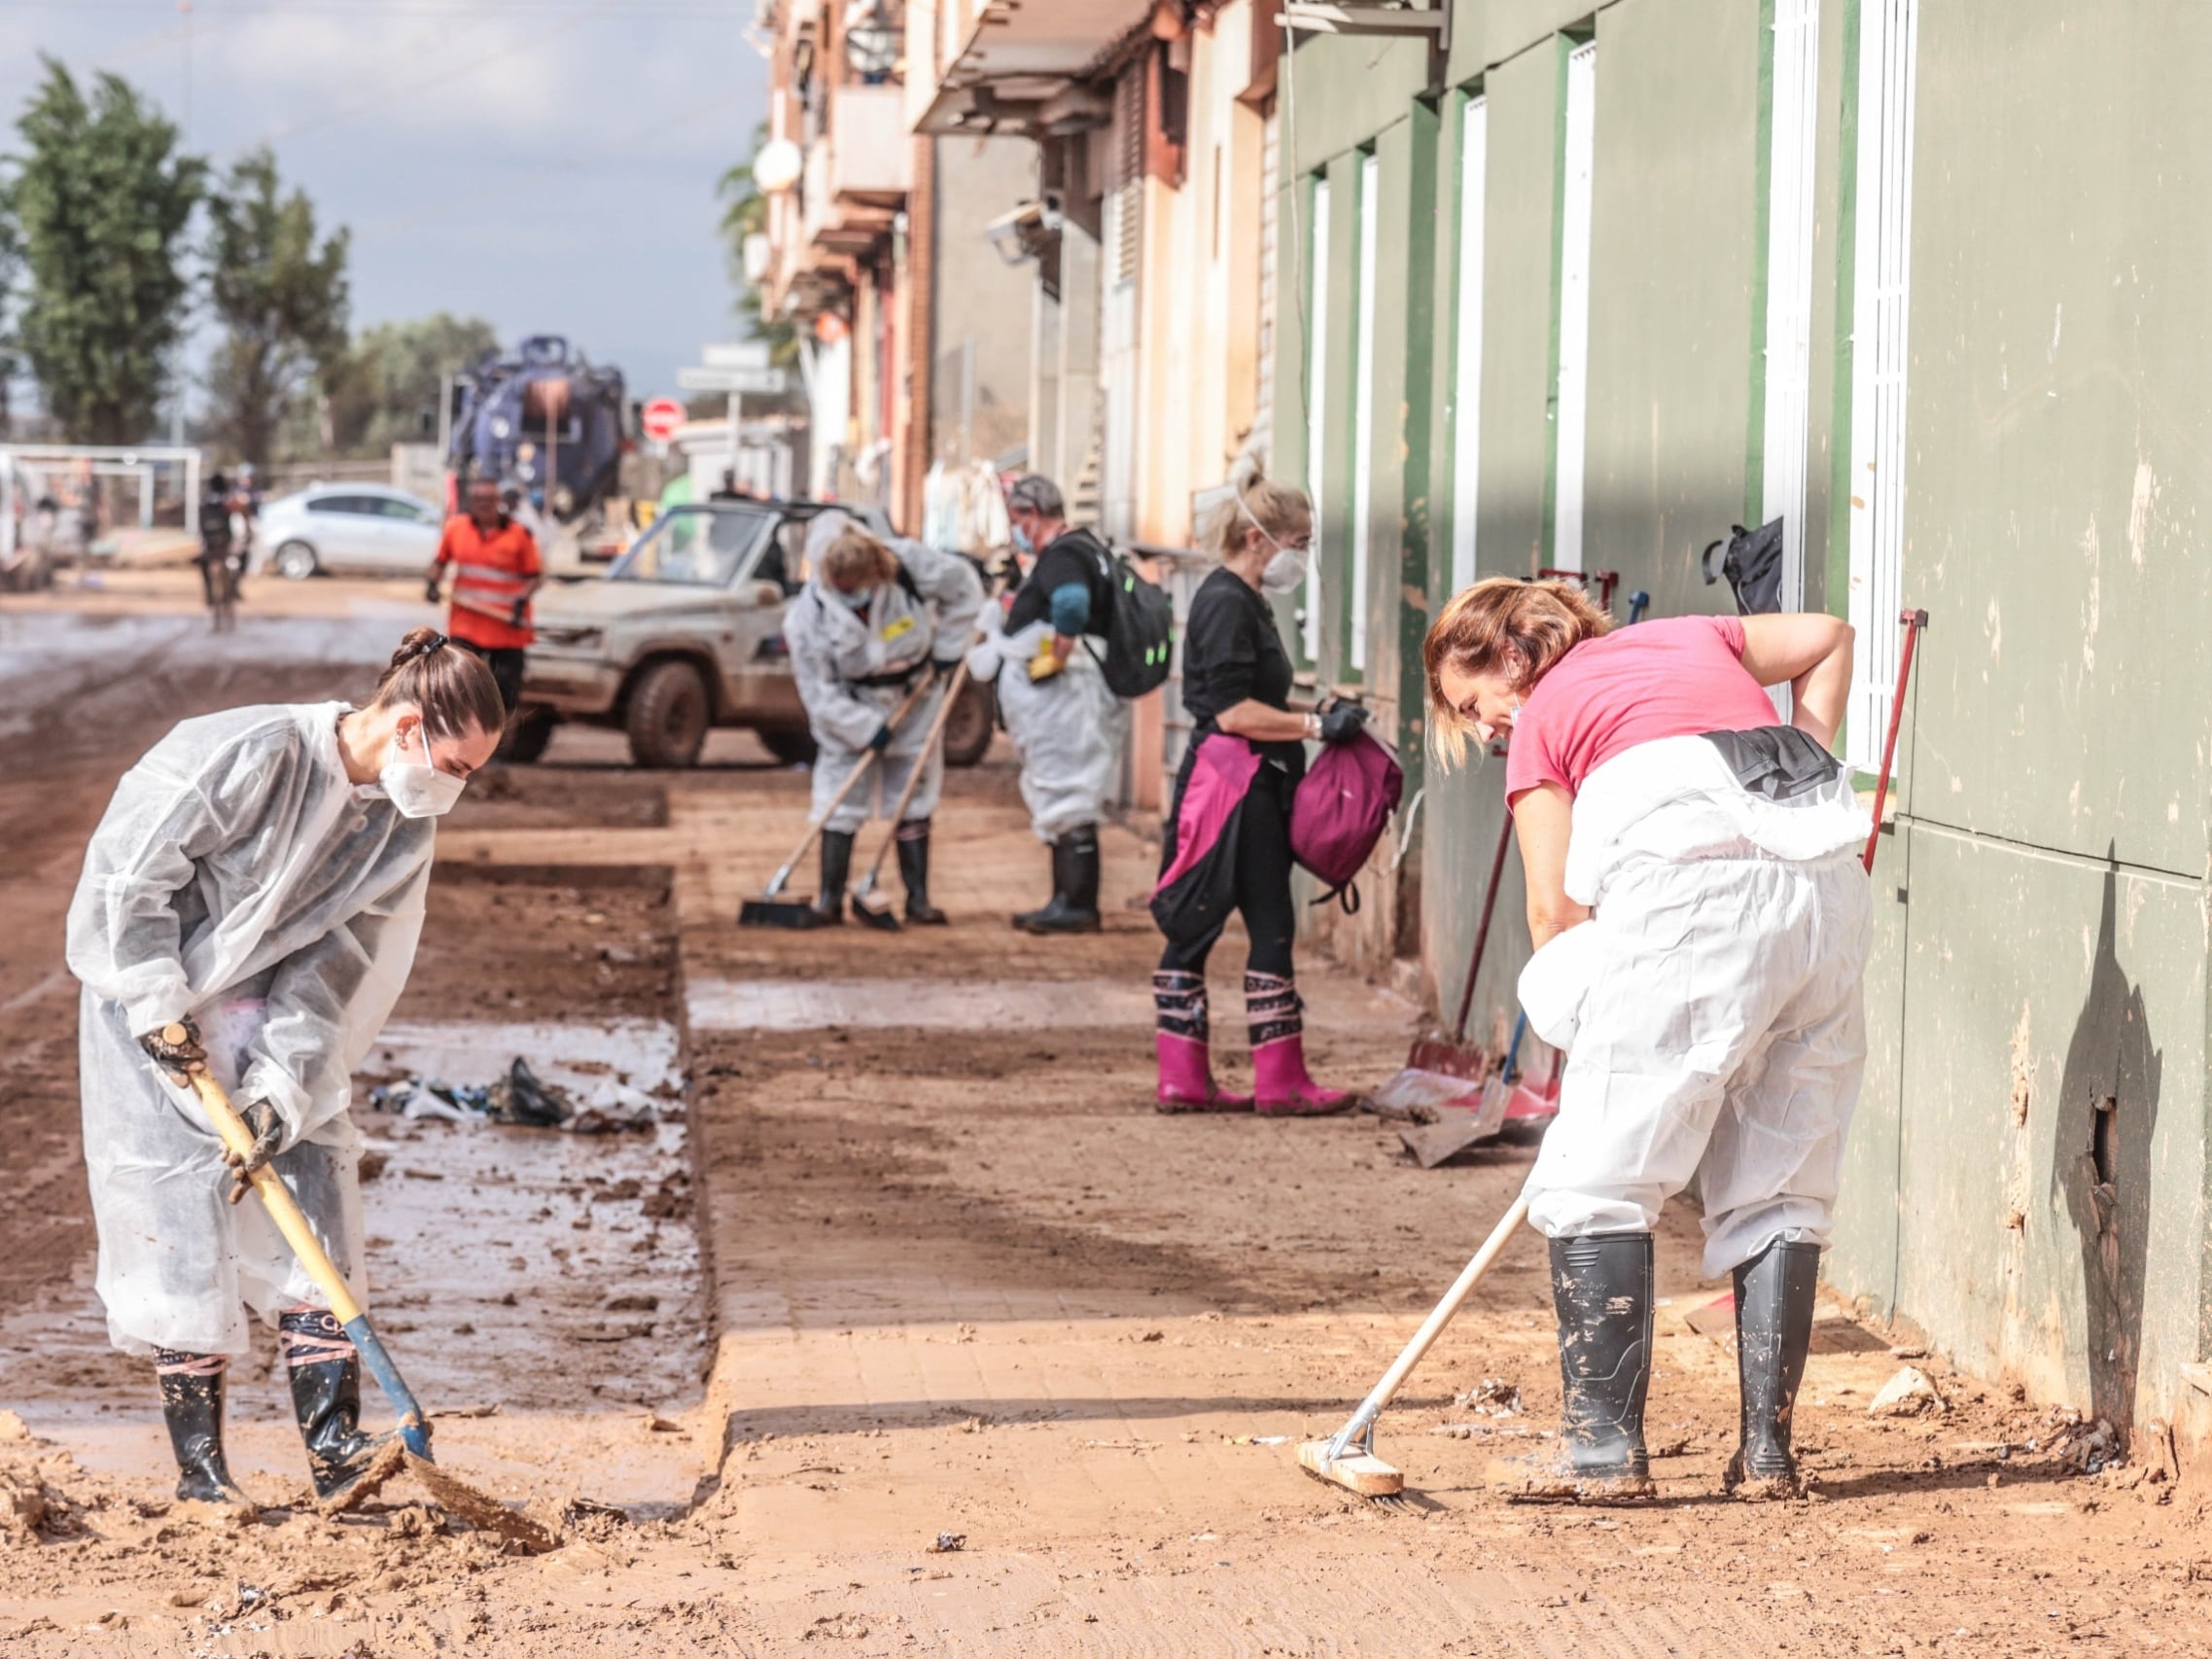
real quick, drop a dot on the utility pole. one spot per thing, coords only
(177, 392)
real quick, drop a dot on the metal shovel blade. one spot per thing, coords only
(1457, 1128)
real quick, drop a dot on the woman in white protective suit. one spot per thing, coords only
(1702, 922)
(871, 622)
(258, 880)
(1067, 725)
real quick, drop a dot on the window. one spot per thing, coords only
(1881, 272)
(1788, 373)
(1467, 358)
(391, 507)
(1316, 409)
(1362, 411)
(365, 504)
(1571, 406)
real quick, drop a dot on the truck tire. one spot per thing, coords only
(790, 748)
(968, 733)
(527, 734)
(667, 716)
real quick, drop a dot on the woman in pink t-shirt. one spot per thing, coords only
(1702, 925)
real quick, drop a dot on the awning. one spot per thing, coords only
(1022, 68)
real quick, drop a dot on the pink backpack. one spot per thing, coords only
(1340, 811)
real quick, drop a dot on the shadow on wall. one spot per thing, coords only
(2108, 1113)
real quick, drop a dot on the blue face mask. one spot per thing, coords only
(1022, 540)
(857, 599)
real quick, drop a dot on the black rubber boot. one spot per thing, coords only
(914, 871)
(836, 869)
(191, 1400)
(1601, 1291)
(1773, 1332)
(326, 1397)
(1074, 906)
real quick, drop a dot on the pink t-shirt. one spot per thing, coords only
(1673, 677)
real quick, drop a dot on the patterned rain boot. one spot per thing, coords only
(1186, 1073)
(1281, 1085)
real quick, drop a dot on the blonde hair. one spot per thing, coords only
(1500, 624)
(857, 555)
(1277, 509)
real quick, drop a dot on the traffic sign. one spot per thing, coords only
(762, 380)
(660, 418)
(736, 354)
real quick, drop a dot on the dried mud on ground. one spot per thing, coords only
(960, 1287)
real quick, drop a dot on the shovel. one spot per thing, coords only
(410, 1451)
(770, 910)
(1454, 1132)
(869, 905)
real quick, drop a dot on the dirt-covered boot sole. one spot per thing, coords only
(1217, 1102)
(1520, 1482)
(1746, 1487)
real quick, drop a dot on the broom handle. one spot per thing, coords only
(1431, 1329)
(1915, 622)
(938, 725)
(284, 1210)
(1481, 932)
(814, 824)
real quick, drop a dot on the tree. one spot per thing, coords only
(281, 300)
(101, 197)
(386, 391)
(746, 214)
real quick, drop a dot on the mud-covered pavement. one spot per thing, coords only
(908, 1258)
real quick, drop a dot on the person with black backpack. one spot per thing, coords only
(1050, 647)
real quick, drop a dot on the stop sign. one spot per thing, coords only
(661, 417)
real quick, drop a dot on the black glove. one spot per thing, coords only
(942, 671)
(267, 1131)
(179, 1057)
(1342, 721)
(521, 610)
(882, 739)
(430, 589)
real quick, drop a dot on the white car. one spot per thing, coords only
(347, 529)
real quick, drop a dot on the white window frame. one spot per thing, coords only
(1882, 292)
(1316, 409)
(1362, 412)
(1468, 344)
(1577, 162)
(1788, 370)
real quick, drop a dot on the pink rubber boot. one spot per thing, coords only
(1186, 1073)
(1281, 1085)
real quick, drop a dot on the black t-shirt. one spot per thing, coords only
(1232, 653)
(1072, 556)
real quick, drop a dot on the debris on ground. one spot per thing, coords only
(1492, 1396)
(948, 1543)
(1907, 1393)
(521, 1098)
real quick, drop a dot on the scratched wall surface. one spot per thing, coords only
(2048, 1011)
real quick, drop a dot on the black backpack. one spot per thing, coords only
(1753, 566)
(1139, 629)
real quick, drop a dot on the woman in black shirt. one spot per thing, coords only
(1236, 684)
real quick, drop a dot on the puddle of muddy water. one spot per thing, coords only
(522, 1269)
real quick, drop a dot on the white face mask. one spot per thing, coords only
(1285, 569)
(418, 788)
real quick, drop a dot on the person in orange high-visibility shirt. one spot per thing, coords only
(496, 569)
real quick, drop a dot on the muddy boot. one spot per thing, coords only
(1282, 1086)
(1602, 1292)
(1074, 906)
(326, 1396)
(1774, 1331)
(191, 1400)
(1181, 1042)
(836, 869)
(914, 871)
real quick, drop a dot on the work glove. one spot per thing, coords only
(269, 1134)
(176, 1057)
(942, 671)
(882, 739)
(521, 610)
(430, 590)
(1046, 663)
(1342, 721)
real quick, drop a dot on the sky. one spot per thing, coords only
(547, 164)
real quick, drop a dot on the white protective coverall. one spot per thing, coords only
(1068, 730)
(854, 665)
(1710, 1008)
(240, 877)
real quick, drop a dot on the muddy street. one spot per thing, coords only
(897, 1320)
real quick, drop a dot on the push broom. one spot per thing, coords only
(771, 909)
(869, 905)
(410, 1451)
(1348, 1457)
